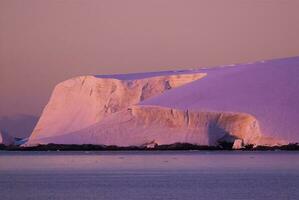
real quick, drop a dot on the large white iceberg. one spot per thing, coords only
(254, 103)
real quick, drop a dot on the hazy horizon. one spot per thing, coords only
(45, 42)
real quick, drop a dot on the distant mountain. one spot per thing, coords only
(254, 103)
(20, 126)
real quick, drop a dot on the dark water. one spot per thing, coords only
(149, 175)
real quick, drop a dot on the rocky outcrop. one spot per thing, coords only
(83, 101)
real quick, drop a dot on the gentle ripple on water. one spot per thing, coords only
(149, 175)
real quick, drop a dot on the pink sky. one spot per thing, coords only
(45, 42)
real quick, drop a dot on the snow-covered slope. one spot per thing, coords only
(257, 103)
(267, 90)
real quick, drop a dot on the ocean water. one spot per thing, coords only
(156, 175)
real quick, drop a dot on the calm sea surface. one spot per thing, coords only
(149, 175)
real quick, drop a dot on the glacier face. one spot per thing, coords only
(82, 101)
(141, 125)
(254, 103)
